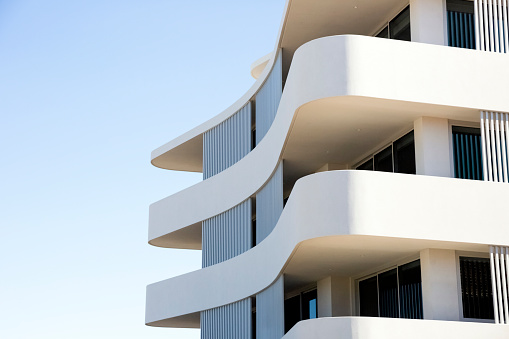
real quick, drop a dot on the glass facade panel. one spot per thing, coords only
(396, 293)
(367, 166)
(368, 297)
(410, 290)
(383, 160)
(388, 294)
(404, 154)
(399, 27)
(300, 307)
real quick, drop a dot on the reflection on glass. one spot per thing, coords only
(388, 294)
(399, 27)
(410, 290)
(383, 160)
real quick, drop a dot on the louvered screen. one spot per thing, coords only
(476, 291)
(467, 153)
(461, 29)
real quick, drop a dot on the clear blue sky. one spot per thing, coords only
(87, 90)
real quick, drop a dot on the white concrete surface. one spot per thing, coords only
(432, 147)
(343, 67)
(407, 213)
(440, 285)
(387, 328)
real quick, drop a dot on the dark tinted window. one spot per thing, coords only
(399, 27)
(383, 160)
(388, 294)
(309, 306)
(404, 154)
(396, 293)
(292, 312)
(368, 297)
(367, 166)
(410, 290)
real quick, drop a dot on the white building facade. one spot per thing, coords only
(358, 189)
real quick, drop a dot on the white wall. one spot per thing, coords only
(334, 297)
(428, 21)
(432, 150)
(440, 285)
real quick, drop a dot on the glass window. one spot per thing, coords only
(399, 27)
(388, 294)
(410, 296)
(404, 154)
(309, 305)
(368, 297)
(396, 293)
(398, 157)
(367, 166)
(383, 160)
(301, 307)
(466, 144)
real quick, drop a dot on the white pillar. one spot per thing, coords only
(428, 21)
(334, 297)
(432, 147)
(440, 293)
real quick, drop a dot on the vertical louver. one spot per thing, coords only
(227, 143)
(269, 204)
(495, 143)
(268, 98)
(270, 322)
(491, 22)
(232, 321)
(499, 266)
(467, 153)
(226, 235)
(461, 29)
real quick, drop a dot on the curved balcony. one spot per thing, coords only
(387, 328)
(337, 103)
(342, 223)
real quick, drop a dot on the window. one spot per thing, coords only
(396, 293)
(460, 23)
(476, 293)
(399, 157)
(300, 307)
(467, 154)
(398, 28)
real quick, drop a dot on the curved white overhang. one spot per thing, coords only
(302, 22)
(343, 223)
(390, 328)
(336, 86)
(259, 65)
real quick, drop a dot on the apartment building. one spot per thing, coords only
(358, 189)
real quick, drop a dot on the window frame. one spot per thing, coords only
(468, 254)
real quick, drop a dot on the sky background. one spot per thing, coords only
(87, 90)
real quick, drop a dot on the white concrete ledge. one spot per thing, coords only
(389, 328)
(348, 70)
(407, 213)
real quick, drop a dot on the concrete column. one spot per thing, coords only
(440, 293)
(428, 21)
(334, 297)
(432, 147)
